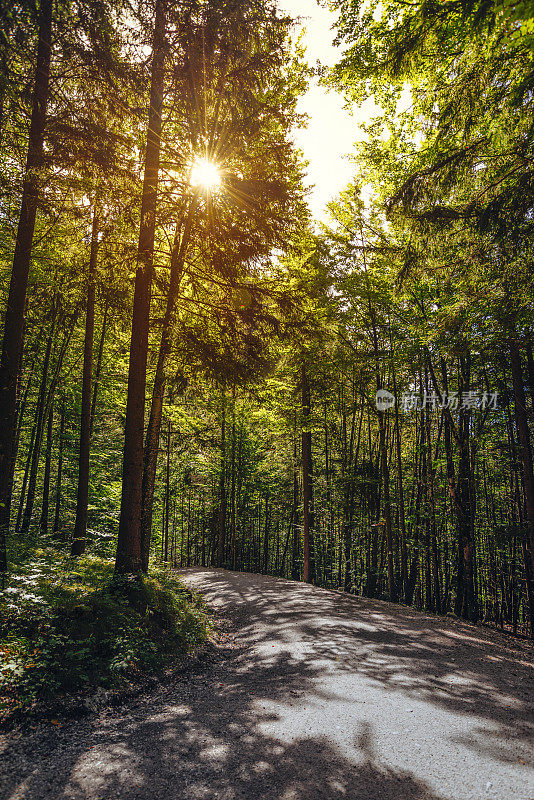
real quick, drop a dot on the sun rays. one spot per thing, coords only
(206, 175)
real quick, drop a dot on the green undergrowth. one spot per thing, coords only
(67, 626)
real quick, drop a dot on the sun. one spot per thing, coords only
(206, 175)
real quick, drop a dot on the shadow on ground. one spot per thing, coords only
(202, 738)
(459, 667)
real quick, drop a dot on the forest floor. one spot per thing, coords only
(306, 694)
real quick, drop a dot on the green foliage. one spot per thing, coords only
(67, 625)
(469, 71)
(437, 270)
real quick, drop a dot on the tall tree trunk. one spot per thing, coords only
(308, 570)
(167, 489)
(384, 469)
(232, 487)
(392, 591)
(43, 522)
(182, 538)
(525, 450)
(328, 497)
(129, 546)
(57, 512)
(221, 521)
(348, 498)
(266, 532)
(20, 416)
(530, 366)
(150, 459)
(295, 571)
(98, 369)
(447, 437)
(466, 604)
(11, 358)
(29, 457)
(188, 545)
(416, 506)
(21, 408)
(4, 73)
(432, 555)
(82, 497)
(40, 417)
(426, 578)
(42, 408)
(402, 511)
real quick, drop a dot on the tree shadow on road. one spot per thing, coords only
(202, 739)
(464, 669)
(209, 734)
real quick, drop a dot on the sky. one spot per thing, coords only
(332, 129)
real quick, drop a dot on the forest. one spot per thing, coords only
(195, 372)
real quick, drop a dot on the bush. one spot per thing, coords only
(68, 625)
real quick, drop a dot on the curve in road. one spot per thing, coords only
(315, 696)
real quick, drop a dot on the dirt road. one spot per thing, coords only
(315, 695)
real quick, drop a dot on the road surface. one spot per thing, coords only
(315, 695)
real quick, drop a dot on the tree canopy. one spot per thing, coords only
(194, 371)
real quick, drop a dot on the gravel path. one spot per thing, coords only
(313, 695)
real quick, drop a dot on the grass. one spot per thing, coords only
(66, 626)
